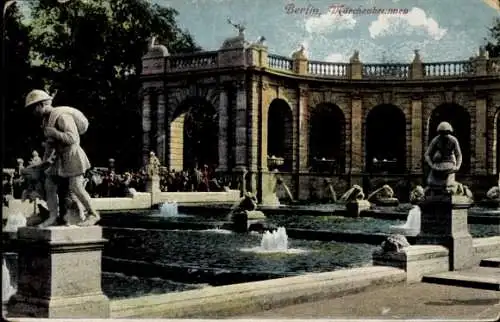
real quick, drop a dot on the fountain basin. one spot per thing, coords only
(208, 255)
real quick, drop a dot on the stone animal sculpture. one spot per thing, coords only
(394, 243)
(353, 194)
(383, 196)
(417, 195)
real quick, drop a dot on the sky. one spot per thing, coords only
(442, 30)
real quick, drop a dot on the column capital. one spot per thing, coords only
(240, 84)
(303, 90)
(355, 94)
(416, 96)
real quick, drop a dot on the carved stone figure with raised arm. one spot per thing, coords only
(241, 28)
(444, 157)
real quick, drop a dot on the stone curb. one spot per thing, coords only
(246, 298)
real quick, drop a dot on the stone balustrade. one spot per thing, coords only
(202, 60)
(258, 56)
(326, 69)
(280, 62)
(448, 69)
(398, 71)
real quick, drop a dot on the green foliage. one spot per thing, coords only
(493, 43)
(89, 52)
(18, 71)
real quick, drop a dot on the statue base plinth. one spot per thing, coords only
(242, 220)
(354, 208)
(59, 273)
(385, 202)
(444, 222)
(153, 184)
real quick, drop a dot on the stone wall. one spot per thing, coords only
(244, 92)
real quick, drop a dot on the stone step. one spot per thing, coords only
(491, 262)
(486, 278)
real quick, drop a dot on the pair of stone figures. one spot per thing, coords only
(59, 178)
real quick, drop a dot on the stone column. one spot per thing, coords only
(223, 129)
(59, 273)
(146, 127)
(302, 143)
(416, 156)
(253, 117)
(161, 138)
(444, 222)
(241, 127)
(357, 157)
(481, 152)
(303, 130)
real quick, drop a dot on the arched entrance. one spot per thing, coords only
(459, 119)
(327, 138)
(386, 139)
(194, 135)
(280, 135)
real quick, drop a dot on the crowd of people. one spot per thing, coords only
(106, 182)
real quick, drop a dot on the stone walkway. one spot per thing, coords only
(421, 300)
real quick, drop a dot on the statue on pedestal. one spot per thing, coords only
(444, 157)
(153, 166)
(64, 162)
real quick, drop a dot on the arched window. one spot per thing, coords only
(386, 139)
(327, 139)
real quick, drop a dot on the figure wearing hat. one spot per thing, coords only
(444, 157)
(62, 127)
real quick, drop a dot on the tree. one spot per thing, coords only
(493, 41)
(20, 130)
(93, 49)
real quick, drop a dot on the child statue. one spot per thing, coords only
(444, 157)
(35, 160)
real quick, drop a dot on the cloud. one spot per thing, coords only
(328, 22)
(416, 20)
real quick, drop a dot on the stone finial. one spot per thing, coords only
(355, 57)
(300, 53)
(483, 53)
(156, 50)
(260, 41)
(416, 57)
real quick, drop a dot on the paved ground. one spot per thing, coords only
(420, 300)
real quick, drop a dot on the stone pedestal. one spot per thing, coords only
(153, 184)
(59, 273)
(354, 208)
(444, 222)
(268, 196)
(242, 220)
(416, 260)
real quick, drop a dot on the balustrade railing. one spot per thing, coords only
(203, 60)
(397, 71)
(386, 71)
(448, 69)
(280, 62)
(339, 70)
